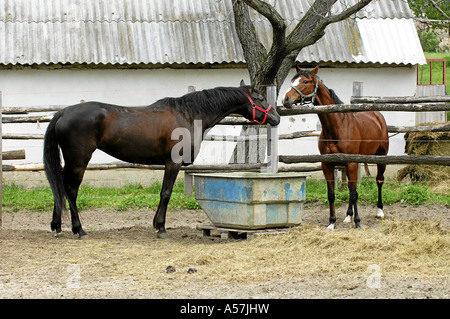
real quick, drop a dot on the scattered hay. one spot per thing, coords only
(128, 260)
(427, 143)
(407, 249)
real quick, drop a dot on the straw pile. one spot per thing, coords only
(428, 143)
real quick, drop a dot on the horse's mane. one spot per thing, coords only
(332, 93)
(206, 101)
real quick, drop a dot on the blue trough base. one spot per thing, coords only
(251, 200)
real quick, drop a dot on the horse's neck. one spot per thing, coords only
(219, 112)
(329, 121)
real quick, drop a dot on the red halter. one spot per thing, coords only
(259, 108)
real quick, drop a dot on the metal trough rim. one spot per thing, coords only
(254, 175)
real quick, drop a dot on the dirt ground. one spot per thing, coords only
(123, 258)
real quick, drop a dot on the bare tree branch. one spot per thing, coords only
(296, 40)
(269, 12)
(436, 6)
(266, 67)
(277, 50)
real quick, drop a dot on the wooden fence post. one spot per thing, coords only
(188, 178)
(1, 161)
(358, 91)
(272, 134)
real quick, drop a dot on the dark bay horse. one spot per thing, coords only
(143, 135)
(363, 133)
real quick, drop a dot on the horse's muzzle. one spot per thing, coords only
(287, 102)
(273, 120)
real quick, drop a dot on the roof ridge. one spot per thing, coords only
(115, 20)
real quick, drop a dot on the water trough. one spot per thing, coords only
(244, 200)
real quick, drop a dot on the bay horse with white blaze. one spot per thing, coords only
(143, 135)
(363, 133)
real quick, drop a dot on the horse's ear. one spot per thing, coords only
(242, 83)
(314, 71)
(297, 68)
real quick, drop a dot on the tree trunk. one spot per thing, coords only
(254, 51)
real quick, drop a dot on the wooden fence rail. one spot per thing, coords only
(33, 109)
(373, 159)
(298, 134)
(354, 100)
(362, 107)
(116, 165)
(399, 99)
(283, 111)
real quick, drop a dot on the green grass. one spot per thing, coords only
(393, 192)
(139, 197)
(129, 197)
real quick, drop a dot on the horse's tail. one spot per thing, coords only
(52, 165)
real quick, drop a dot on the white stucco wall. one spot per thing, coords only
(142, 87)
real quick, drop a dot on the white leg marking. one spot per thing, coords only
(331, 227)
(380, 213)
(348, 219)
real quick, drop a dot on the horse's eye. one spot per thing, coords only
(306, 81)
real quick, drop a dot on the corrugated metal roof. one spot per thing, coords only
(379, 9)
(114, 10)
(188, 31)
(392, 41)
(174, 10)
(119, 43)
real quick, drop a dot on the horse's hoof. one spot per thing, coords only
(83, 236)
(380, 213)
(348, 219)
(162, 235)
(331, 227)
(59, 234)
